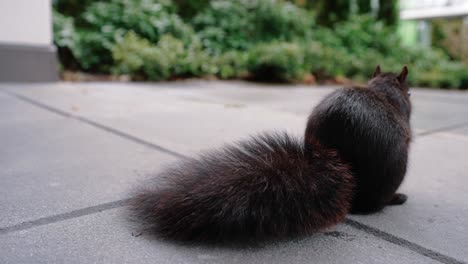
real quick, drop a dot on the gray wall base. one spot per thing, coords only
(22, 63)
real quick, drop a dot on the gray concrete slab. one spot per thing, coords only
(461, 130)
(436, 213)
(188, 117)
(432, 113)
(433, 108)
(106, 238)
(202, 100)
(297, 99)
(51, 165)
(161, 117)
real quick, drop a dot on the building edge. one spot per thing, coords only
(28, 63)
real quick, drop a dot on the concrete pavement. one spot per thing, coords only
(71, 152)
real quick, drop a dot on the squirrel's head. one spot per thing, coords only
(394, 86)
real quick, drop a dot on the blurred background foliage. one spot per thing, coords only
(271, 40)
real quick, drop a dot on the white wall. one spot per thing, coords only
(26, 22)
(417, 4)
(428, 9)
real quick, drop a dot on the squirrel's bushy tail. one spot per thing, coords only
(261, 188)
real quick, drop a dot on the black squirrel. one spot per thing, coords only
(353, 159)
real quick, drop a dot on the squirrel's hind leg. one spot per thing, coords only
(398, 199)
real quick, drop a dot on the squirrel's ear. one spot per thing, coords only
(403, 74)
(376, 72)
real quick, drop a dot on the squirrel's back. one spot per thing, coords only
(371, 133)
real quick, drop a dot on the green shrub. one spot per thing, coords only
(72, 8)
(276, 20)
(150, 19)
(196, 61)
(357, 45)
(137, 56)
(105, 22)
(64, 30)
(444, 74)
(162, 61)
(225, 25)
(93, 50)
(78, 48)
(190, 8)
(363, 32)
(169, 58)
(324, 61)
(129, 54)
(64, 38)
(240, 24)
(266, 39)
(278, 61)
(231, 64)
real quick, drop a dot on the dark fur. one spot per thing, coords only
(260, 188)
(274, 185)
(370, 129)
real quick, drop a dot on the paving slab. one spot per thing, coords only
(432, 113)
(297, 99)
(433, 108)
(461, 130)
(158, 116)
(106, 238)
(436, 213)
(204, 101)
(67, 123)
(50, 164)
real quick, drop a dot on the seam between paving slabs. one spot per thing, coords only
(120, 203)
(65, 216)
(441, 129)
(95, 124)
(401, 242)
